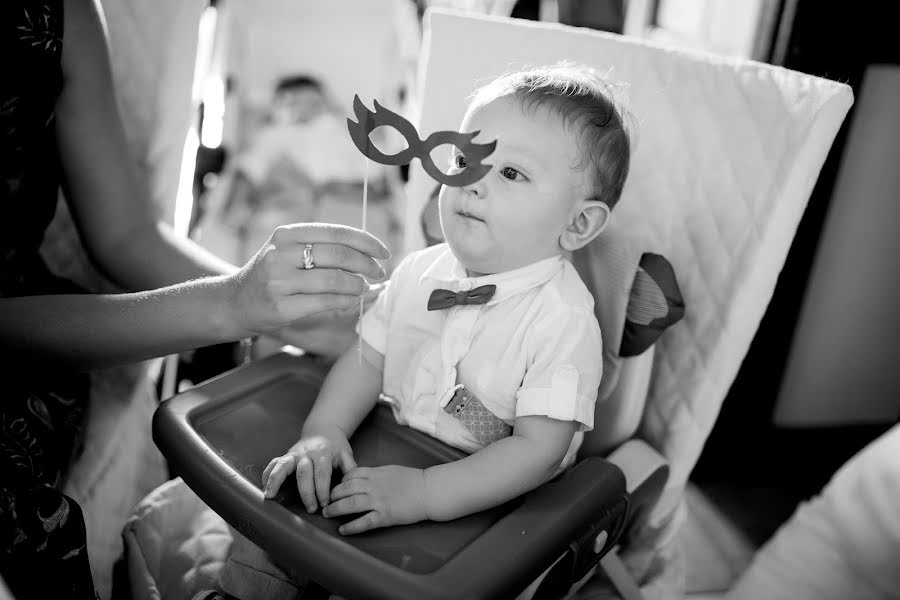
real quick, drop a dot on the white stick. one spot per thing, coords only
(365, 210)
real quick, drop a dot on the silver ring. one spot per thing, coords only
(308, 262)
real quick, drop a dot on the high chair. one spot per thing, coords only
(725, 156)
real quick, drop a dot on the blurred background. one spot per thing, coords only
(273, 80)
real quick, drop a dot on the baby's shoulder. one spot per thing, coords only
(415, 264)
(566, 292)
(419, 260)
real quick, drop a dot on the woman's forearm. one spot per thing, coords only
(155, 256)
(348, 394)
(91, 331)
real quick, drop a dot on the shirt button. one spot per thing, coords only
(465, 285)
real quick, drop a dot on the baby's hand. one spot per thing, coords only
(391, 495)
(312, 459)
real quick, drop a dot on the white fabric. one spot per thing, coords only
(726, 156)
(845, 543)
(176, 545)
(119, 466)
(526, 352)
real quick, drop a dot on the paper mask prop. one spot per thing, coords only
(416, 148)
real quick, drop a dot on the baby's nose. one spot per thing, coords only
(476, 189)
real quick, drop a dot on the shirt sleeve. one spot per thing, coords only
(376, 319)
(565, 366)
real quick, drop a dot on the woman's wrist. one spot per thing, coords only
(229, 320)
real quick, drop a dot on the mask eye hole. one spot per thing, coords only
(388, 140)
(448, 158)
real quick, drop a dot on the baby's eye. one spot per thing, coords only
(459, 161)
(511, 174)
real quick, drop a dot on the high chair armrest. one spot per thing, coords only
(645, 470)
(221, 434)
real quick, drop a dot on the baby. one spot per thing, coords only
(509, 369)
(489, 341)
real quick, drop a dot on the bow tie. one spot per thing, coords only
(441, 299)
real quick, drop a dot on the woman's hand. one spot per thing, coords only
(391, 495)
(328, 333)
(273, 290)
(312, 459)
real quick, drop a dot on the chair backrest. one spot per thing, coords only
(727, 154)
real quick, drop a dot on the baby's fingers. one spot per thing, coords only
(306, 483)
(348, 505)
(370, 520)
(348, 463)
(323, 478)
(276, 472)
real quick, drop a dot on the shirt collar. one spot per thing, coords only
(447, 270)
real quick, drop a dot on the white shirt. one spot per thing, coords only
(533, 349)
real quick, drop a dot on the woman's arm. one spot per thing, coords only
(87, 331)
(500, 471)
(270, 292)
(110, 204)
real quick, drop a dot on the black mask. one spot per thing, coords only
(421, 149)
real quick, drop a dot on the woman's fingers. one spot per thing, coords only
(273, 289)
(336, 256)
(325, 281)
(303, 305)
(322, 233)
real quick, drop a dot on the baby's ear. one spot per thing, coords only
(590, 220)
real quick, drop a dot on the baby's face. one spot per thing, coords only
(515, 214)
(298, 106)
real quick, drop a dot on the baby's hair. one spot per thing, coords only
(587, 103)
(298, 82)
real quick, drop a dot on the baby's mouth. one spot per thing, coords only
(469, 215)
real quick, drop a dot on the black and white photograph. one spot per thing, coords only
(449, 299)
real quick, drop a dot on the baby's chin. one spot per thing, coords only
(477, 262)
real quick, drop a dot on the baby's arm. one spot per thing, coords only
(348, 394)
(561, 382)
(500, 471)
(396, 495)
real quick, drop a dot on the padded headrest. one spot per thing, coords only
(636, 297)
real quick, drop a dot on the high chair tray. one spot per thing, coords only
(220, 435)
